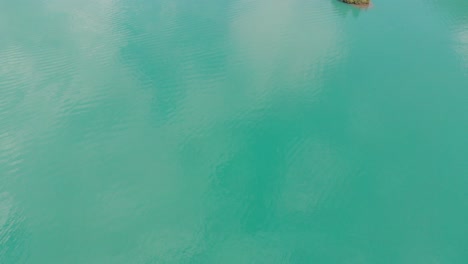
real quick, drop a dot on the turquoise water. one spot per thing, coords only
(233, 131)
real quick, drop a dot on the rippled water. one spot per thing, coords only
(233, 131)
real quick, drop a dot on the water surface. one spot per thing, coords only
(233, 131)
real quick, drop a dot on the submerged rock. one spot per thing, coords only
(357, 2)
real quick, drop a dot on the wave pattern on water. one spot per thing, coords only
(233, 131)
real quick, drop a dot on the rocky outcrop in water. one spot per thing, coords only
(357, 2)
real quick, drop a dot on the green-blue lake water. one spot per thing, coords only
(233, 131)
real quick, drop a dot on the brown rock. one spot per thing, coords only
(357, 2)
